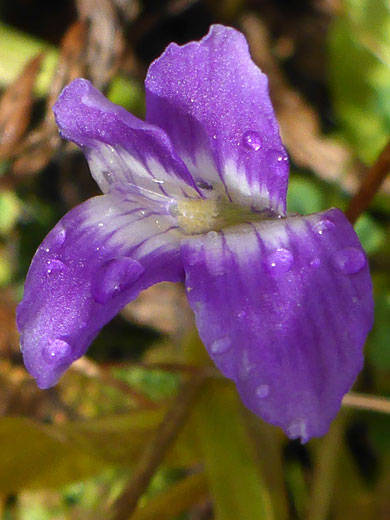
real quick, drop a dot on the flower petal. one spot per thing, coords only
(95, 260)
(120, 148)
(213, 102)
(284, 308)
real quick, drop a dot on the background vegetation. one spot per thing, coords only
(143, 427)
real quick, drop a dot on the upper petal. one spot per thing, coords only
(284, 308)
(213, 102)
(120, 148)
(95, 260)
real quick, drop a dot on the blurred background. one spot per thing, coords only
(99, 445)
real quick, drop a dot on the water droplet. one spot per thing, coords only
(108, 176)
(252, 140)
(57, 351)
(55, 266)
(214, 136)
(349, 260)
(56, 238)
(212, 234)
(278, 156)
(101, 224)
(296, 429)
(220, 346)
(315, 262)
(262, 391)
(323, 225)
(157, 181)
(246, 366)
(279, 261)
(113, 277)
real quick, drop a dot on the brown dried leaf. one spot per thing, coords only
(299, 123)
(39, 146)
(15, 106)
(71, 62)
(9, 338)
(105, 40)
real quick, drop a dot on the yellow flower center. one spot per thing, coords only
(196, 216)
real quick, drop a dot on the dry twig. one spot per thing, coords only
(156, 450)
(370, 185)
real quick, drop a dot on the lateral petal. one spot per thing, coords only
(284, 308)
(94, 261)
(213, 102)
(120, 148)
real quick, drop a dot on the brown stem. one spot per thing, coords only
(370, 185)
(370, 403)
(156, 450)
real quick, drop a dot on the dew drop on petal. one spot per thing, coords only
(108, 176)
(280, 158)
(56, 351)
(323, 225)
(246, 366)
(279, 261)
(297, 429)
(315, 262)
(221, 345)
(54, 266)
(113, 277)
(262, 391)
(252, 140)
(349, 260)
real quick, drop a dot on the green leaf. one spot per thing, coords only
(304, 196)
(10, 208)
(177, 499)
(378, 342)
(34, 455)
(359, 48)
(234, 480)
(16, 48)
(371, 235)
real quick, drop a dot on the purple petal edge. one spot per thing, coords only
(213, 102)
(284, 308)
(95, 260)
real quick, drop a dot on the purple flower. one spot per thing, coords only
(197, 193)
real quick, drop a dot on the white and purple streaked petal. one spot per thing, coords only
(284, 308)
(95, 260)
(213, 102)
(120, 148)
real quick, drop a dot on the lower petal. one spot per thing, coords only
(95, 260)
(284, 308)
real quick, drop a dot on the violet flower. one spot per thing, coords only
(197, 193)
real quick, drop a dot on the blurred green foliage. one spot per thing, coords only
(359, 60)
(69, 453)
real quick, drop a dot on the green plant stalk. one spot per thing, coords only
(237, 488)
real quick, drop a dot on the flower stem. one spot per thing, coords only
(155, 451)
(370, 185)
